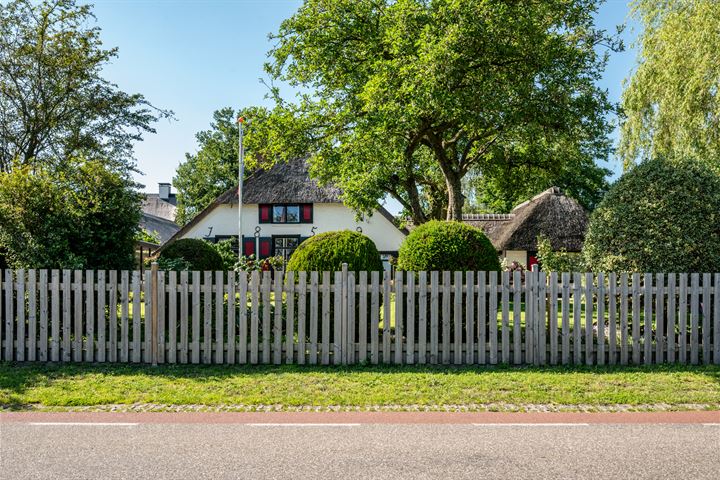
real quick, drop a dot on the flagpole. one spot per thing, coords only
(241, 172)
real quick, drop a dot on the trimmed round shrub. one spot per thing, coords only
(452, 246)
(661, 216)
(196, 255)
(328, 251)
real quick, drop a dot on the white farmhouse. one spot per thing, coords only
(282, 206)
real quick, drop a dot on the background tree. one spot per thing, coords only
(404, 98)
(83, 215)
(672, 101)
(54, 103)
(204, 175)
(660, 216)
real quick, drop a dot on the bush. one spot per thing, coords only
(452, 246)
(661, 216)
(197, 255)
(328, 251)
(558, 260)
(224, 248)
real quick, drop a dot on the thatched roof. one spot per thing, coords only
(283, 183)
(493, 224)
(165, 228)
(560, 218)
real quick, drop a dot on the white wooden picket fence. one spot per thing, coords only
(346, 317)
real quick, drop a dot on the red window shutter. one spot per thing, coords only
(248, 246)
(264, 213)
(307, 213)
(265, 243)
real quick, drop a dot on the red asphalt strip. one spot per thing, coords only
(366, 417)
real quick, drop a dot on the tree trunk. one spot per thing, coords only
(456, 199)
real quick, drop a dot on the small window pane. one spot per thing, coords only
(293, 214)
(292, 242)
(279, 214)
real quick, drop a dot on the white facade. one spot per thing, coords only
(223, 220)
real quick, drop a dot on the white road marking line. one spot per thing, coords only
(711, 424)
(531, 424)
(92, 424)
(303, 424)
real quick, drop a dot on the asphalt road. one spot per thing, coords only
(78, 450)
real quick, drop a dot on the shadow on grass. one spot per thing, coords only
(19, 377)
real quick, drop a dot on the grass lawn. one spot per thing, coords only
(67, 387)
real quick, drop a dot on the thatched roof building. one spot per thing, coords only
(283, 183)
(552, 214)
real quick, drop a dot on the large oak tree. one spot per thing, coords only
(405, 97)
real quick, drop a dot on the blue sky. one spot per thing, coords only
(196, 56)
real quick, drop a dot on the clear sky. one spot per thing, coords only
(196, 56)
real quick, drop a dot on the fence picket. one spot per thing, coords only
(706, 318)
(457, 319)
(553, 319)
(671, 305)
(207, 317)
(434, 318)
(148, 302)
(647, 318)
(20, 314)
(600, 357)
(636, 318)
(219, 317)
(325, 332)
(137, 317)
(67, 316)
(530, 338)
(43, 327)
(302, 295)
(505, 328)
(410, 321)
(112, 318)
(469, 318)
(624, 319)
(243, 312)
(541, 349)
(659, 318)
(482, 318)
(386, 317)
(231, 291)
(374, 317)
(32, 316)
(446, 320)
(577, 310)
(55, 316)
(682, 318)
(349, 354)
(254, 316)
(90, 311)
(277, 325)
(184, 310)
(172, 323)
(565, 360)
(337, 317)
(694, 318)
(77, 288)
(101, 318)
(516, 335)
(124, 316)
(492, 318)
(612, 319)
(589, 340)
(314, 321)
(363, 318)
(289, 318)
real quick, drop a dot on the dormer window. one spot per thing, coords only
(286, 213)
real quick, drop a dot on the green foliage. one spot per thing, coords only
(251, 264)
(80, 216)
(403, 98)
(198, 254)
(144, 235)
(54, 103)
(229, 257)
(178, 264)
(672, 100)
(204, 175)
(660, 216)
(558, 261)
(453, 246)
(329, 250)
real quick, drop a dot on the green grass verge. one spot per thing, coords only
(289, 387)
